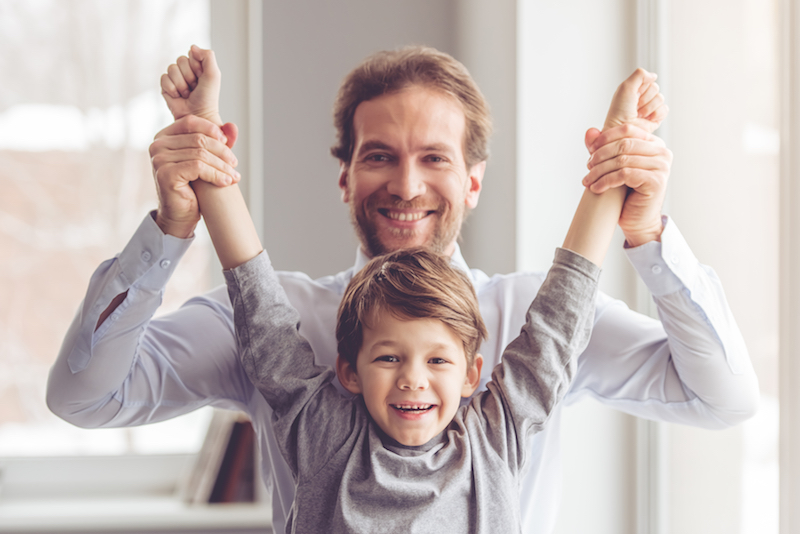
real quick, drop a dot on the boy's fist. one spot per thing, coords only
(191, 85)
(637, 101)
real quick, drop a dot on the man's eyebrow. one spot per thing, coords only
(373, 145)
(438, 147)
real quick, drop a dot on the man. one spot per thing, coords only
(411, 166)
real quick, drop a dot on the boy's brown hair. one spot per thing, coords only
(410, 284)
(394, 70)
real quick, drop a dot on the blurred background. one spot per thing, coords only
(80, 103)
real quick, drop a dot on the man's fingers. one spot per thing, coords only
(625, 146)
(631, 177)
(632, 171)
(174, 176)
(167, 157)
(187, 72)
(193, 124)
(620, 132)
(175, 74)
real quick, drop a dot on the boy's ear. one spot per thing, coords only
(347, 376)
(473, 379)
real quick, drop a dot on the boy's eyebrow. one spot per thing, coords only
(389, 343)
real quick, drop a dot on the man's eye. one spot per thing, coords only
(435, 159)
(377, 158)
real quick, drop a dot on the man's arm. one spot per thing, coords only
(114, 351)
(693, 367)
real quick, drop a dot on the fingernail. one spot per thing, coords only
(225, 139)
(238, 175)
(227, 180)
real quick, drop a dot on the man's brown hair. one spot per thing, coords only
(394, 70)
(410, 284)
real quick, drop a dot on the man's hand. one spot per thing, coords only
(191, 86)
(626, 153)
(191, 148)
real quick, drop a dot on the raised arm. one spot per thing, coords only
(638, 104)
(191, 88)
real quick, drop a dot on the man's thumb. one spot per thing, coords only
(231, 131)
(591, 136)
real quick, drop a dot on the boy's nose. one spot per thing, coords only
(407, 182)
(412, 378)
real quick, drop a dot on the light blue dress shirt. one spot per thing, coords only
(691, 367)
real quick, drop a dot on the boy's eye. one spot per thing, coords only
(387, 358)
(437, 360)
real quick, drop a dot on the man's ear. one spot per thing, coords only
(474, 183)
(344, 174)
(473, 379)
(347, 376)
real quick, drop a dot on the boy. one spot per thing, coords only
(401, 455)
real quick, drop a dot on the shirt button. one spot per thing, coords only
(164, 264)
(655, 269)
(146, 256)
(675, 260)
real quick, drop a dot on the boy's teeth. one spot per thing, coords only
(415, 407)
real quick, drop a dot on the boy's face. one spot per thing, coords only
(412, 374)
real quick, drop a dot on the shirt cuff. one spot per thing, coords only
(666, 266)
(151, 256)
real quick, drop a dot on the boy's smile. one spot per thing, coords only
(412, 374)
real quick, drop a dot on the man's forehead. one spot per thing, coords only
(422, 117)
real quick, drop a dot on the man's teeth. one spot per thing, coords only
(403, 216)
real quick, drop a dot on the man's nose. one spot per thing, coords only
(412, 377)
(407, 181)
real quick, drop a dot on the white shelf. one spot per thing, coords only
(128, 514)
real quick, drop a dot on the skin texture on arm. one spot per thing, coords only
(636, 103)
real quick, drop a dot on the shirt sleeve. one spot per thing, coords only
(134, 369)
(538, 365)
(692, 367)
(310, 418)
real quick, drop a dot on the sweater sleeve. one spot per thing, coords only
(310, 418)
(538, 365)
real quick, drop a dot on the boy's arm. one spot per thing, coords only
(191, 87)
(638, 102)
(276, 358)
(525, 389)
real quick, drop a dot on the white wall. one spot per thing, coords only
(571, 58)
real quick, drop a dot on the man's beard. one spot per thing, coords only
(446, 230)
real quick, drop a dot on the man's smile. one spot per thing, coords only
(402, 216)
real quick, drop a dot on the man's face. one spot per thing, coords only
(407, 183)
(412, 374)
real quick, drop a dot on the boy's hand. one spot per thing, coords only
(637, 102)
(191, 85)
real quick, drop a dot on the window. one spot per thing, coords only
(79, 105)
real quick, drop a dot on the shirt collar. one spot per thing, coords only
(456, 260)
